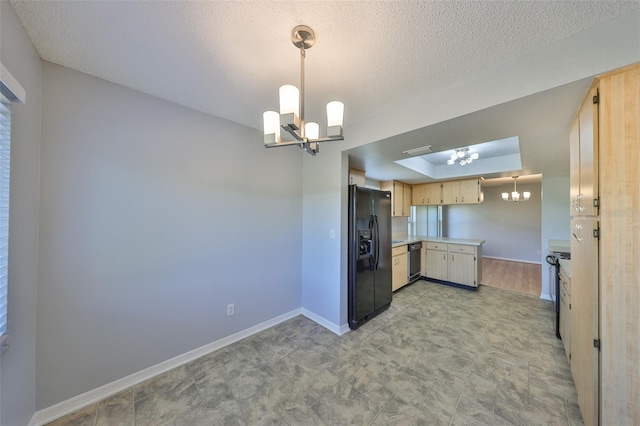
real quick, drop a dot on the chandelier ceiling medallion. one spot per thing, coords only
(462, 156)
(515, 195)
(291, 116)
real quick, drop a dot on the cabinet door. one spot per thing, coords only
(433, 194)
(406, 200)
(462, 269)
(583, 158)
(395, 282)
(437, 264)
(418, 194)
(450, 191)
(469, 192)
(398, 198)
(619, 133)
(584, 316)
(400, 272)
(588, 155)
(574, 166)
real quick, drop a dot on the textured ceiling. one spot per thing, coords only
(229, 58)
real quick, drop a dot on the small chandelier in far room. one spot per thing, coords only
(515, 195)
(462, 157)
(291, 116)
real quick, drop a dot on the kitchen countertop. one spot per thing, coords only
(560, 245)
(565, 264)
(415, 239)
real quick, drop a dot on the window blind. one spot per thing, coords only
(10, 92)
(5, 156)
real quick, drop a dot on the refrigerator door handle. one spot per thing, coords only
(377, 241)
(372, 227)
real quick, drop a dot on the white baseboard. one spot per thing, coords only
(513, 260)
(339, 330)
(63, 408)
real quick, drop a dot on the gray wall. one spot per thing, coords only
(555, 220)
(17, 365)
(512, 230)
(153, 218)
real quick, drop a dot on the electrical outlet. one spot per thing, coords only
(230, 309)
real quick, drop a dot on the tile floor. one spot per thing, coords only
(439, 355)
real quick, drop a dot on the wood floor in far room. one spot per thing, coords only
(514, 276)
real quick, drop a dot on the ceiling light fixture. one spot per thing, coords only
(515, 195)
(462, 157)
(291, 117)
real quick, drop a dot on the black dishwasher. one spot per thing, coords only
(414, 261)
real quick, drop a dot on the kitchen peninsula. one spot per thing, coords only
(447, 260)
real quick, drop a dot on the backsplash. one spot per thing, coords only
(399, 228)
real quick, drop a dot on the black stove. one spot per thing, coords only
(554, 260)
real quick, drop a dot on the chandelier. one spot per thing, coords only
(515, 195)
(291, 116)
(462, 157)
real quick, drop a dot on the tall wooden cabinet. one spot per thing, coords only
(605, 249)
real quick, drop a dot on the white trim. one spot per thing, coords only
(344, 329)
(339, 330)
(63, 408)
(513, 260)
(7, 80)
(546, 296)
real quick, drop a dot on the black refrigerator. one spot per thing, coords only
(369, 254)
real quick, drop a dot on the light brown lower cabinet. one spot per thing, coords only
(399, 267)
(456, 263)
(436, 261)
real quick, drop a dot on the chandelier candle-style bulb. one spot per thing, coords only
(271, 121)
(526, 195)
(335, 116)
(505, 196)
(312, 130)
(290, 106)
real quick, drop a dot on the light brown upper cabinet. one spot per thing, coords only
(468, 191)
(427, 194)
(356, 177)
(406, 200)
(583, 158)
(400, 197)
